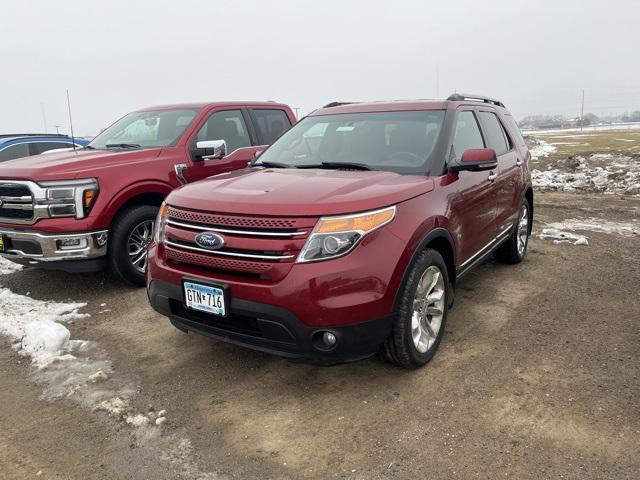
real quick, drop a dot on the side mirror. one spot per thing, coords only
(476, 160)
(209, 149)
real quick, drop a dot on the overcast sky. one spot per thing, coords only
(116, 56)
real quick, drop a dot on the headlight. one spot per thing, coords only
(336, 236)
(161, 223)
(68, 198)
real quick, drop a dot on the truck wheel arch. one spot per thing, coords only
(141, 194)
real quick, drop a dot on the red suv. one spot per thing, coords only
(94, 207)
(347, 236)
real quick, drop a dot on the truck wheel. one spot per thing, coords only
(515, 248)
(422, 314)
(130, 234)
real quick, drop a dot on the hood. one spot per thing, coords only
(70, 165)
(298, 192)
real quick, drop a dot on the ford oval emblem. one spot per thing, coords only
(210, 240)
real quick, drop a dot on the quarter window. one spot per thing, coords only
(40, 147)
(467, 133)
(14, 151)
(227, 125)
(495, 133)
(270, 124)
(514, 129)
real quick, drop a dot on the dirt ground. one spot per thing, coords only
(537, 377)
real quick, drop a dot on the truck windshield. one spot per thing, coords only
(401, 142)
(159, 128)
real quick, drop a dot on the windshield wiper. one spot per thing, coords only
(122, 145)
(345, 165)
(272, 165)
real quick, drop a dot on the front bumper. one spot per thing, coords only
(37, 248)
(271, 329)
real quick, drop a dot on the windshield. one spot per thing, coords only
(400, 142)
(159, 128)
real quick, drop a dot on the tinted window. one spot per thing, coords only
(493, 130)
(146, 129)
(401, 142)
(227, 125)
(14, 151)
(40, 147)
(515, 131)
(271, 124)
(467, 134)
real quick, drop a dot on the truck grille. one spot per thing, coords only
(264, 247)
(16, 202)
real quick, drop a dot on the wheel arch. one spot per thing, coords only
(139, 194)
(440, 240)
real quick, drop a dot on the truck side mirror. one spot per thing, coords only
(476, 160)
(209, 149)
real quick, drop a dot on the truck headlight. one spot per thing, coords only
(336, 236)
(69, 198)
(161, 223)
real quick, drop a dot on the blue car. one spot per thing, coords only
(26, 144)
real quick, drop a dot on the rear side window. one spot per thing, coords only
(270, 124)
(467, 133)
(227, 125)
(515, 130)
(14, 151)
(494, 132)
(40, 147)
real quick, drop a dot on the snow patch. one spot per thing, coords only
(539, 149)
(559, 236)
(599, 225)
(7, 266)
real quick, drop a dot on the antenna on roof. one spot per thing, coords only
(73, 140)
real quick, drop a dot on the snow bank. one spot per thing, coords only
(627, 229)
(599, 173)
(539, 148)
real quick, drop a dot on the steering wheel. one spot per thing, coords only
(418, 159)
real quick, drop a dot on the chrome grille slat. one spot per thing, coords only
(234, 232)
(229, 254)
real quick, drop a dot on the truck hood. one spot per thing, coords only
(298, 192)
(70, 165)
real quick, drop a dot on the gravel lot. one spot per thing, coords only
(537, 377)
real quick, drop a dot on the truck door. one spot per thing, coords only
(227, 125)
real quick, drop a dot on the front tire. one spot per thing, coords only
(130, 234)
(422, 314)
(515, 248)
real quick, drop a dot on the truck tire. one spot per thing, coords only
(515, 248)
(422, 313)
(131, 231)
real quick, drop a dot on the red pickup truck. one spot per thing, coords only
(95, 206)
(349, 233)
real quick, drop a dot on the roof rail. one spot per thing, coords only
(7, 135)
(458, 97)
(337, 104)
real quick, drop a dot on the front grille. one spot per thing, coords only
(265, 247)
(16, 202)
(14, 190)
(13, 214)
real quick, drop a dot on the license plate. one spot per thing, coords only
(1, 244)
(204, 298)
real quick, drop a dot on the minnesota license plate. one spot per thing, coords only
(204, 298)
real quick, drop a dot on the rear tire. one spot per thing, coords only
(130, 234)
(420, 321)
(515, 248)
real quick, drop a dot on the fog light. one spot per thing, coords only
(72, 243)
(329, 339)
(101, 239)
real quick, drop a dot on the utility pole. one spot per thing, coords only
(57, 129)
(437, 83)
(44, 117)
(582, 112)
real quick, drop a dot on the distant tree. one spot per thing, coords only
(590, 119)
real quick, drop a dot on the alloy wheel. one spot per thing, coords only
(137, 243)
(428, 309)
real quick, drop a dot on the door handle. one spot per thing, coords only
(492, 177)
(179, 168)
(518, 162)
